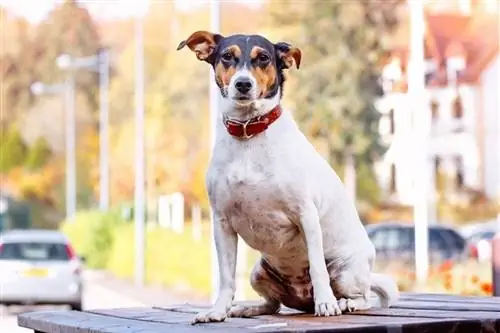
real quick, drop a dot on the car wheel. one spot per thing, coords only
(76, 306)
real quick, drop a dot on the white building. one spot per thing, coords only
(463, 91)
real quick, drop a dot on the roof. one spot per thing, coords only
(32, 235)
(474, 36)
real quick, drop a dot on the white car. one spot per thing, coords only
(39, 267)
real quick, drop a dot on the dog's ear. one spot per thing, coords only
(202, 43)
(288, 54)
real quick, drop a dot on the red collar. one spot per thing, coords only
(249, 128)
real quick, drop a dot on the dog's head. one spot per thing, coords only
(248, 68)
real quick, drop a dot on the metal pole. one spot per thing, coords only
(70, 146)
(214, 109)
(416, 92)
(139, 194)
(495, 244)
(103, 129)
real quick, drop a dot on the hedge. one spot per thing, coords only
(92, 234)
(172, 260)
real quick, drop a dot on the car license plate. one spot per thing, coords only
(36, 272)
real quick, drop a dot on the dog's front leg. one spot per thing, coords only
(226, 243)
(325, 303)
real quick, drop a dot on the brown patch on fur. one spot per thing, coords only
(202, 43)
(265, 77)
(223, 75)
(292, 55)
(234, 49)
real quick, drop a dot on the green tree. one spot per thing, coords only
(336, 88)
(12, 150)
(38, 154)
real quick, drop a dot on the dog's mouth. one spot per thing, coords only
(243, 100)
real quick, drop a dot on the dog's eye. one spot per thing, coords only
(263, 57)
(227, 56)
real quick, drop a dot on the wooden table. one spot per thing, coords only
(418, 313)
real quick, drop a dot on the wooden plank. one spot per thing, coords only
(84, 322)
(449, 298)
(424, 313)
(450, 306)
(415, 313)
(307, 322)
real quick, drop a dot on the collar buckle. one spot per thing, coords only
(245, 135)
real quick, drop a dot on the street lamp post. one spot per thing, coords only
(97, 63)
(103, 129)
(39, 88)
(70, 147)
(139, 188)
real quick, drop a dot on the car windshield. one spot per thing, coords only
(487, 235)
(33, 251)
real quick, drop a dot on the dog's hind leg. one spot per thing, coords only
(352, 286)
(266, 287)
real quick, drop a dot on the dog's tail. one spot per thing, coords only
(386, 289)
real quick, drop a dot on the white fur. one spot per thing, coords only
(285, 201)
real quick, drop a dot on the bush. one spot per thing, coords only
(171, 259)
(38, 155)
(12, 150)
(92, 233)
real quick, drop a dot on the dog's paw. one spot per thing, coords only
(209, 316)
(347, 305)
(326, 309)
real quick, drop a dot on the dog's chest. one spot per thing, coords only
(253, 198)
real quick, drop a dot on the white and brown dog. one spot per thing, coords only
(268, 184)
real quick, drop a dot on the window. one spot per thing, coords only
(392, 124)
(434, 110)
(378, 238)
(459, 167)
(34, 251)
(490, 6)
(458, 111)
(437, 172)
(393, 239)
(392, 179)
(455, 241)
(464, 6)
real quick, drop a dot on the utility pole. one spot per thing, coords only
(103, 68)
(214, 110)
(139, 192)
(421, 119)
(70, 146)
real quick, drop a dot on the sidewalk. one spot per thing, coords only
(149, 294)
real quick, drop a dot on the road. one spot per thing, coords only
(97, 296)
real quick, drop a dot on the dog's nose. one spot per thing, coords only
(243, 85)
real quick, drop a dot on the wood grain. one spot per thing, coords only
(414, 313)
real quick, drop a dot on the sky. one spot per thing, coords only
(36, 10)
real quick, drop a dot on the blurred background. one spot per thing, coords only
(106, 132)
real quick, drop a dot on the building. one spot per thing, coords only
(462, 85)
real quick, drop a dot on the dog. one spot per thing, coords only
(268, 184)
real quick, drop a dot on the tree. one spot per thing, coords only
(12, 150)
(69, 29)
(335, 90)
(38, 154)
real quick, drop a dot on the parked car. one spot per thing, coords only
(479, 243)
(39, 267)
(395, 241)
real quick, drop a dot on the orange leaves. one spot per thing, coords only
(469, 278)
